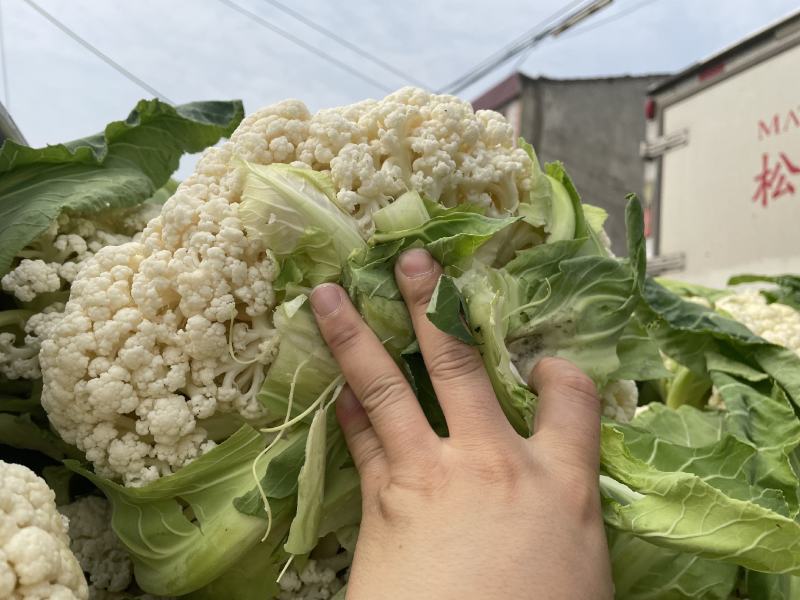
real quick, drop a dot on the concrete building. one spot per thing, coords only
(593, 126)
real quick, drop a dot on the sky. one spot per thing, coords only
(202, 49)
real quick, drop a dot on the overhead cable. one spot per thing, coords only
(98, 53)
(303, 44)
(367, 55)
(548, 27)
(610, 19)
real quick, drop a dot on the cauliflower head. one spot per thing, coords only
(138, 373)
(35, 559)
(619, 399)
(99, 551)
(776, 323)
(318, 580)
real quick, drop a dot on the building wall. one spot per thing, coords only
(593, 126)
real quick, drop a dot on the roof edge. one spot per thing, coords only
(760, 35)
(510, 88)
(501, 93)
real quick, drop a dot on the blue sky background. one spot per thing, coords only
(201, 49)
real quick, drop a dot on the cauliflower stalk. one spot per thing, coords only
(35, 558)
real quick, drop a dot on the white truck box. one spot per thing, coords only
(722, 175)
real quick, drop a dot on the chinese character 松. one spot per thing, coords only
(774, 181)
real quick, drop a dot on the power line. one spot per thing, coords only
(344, 42)
(303, 44)
(98, 53)
(609, 19)
(596, 25)
(3, 64)
(527, 40)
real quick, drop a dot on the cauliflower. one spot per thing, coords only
(31, 278)
(715, 400)
(776, 323)
(53, 260)
(59, 255)
(97, 548)
(35, 560)
(22, 362)
(619, 400)
(317, 581)
(139, 365)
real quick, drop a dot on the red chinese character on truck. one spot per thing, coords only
(775, 180)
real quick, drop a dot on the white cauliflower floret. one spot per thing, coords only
(35, 559)
(40, 326)
(17, 362)
(31, 278)
(62, 251)
(619, 400)
(100, 553)
(776, 323)
(161, 308)
(22, 362)
(715, 400)
(317, 581)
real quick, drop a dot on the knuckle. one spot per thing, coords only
(452, 360)
(565, 379)
(420, 292)
(581, 497)
(343, 336)
(366, 451)
(381, 390)
(578, 386)
(499, 463)
(573, 480)
(387, 505)
(502, 466)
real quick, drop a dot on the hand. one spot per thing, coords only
(484, 513)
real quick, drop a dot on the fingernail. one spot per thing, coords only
(415, 263)
(325, 299)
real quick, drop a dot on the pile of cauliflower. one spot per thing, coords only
(777, 323)
(48, 267)
(138, 373)
(35, 558)
(48, 552)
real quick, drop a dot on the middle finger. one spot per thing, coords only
(456, 369)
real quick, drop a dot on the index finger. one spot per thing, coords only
(373, 376)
